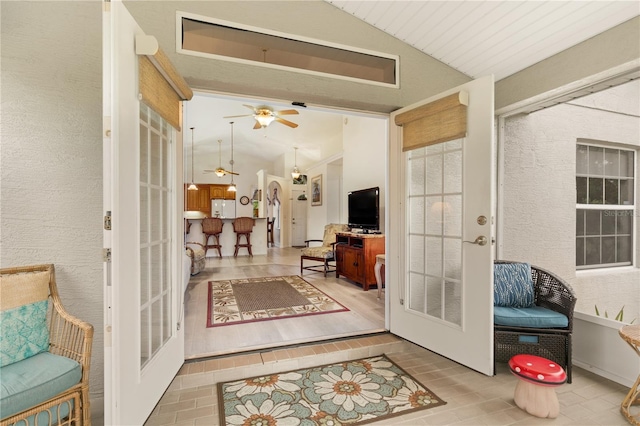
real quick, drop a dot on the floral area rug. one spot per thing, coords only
(353, 392)
(261, 299)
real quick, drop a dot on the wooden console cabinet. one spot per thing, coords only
(356, 257)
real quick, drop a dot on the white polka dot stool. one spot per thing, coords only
(535, 391)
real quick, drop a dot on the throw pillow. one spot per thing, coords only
(512, 285)
(24, 300)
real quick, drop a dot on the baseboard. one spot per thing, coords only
(625, 381)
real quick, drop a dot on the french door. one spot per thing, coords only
(441, 232)
(144, 343)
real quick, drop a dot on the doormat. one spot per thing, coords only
(352, 392)
(246, 300)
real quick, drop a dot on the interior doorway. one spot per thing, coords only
(298, 217)
(347, 154)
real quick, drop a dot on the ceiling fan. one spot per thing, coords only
(264, 115)
(221, 171)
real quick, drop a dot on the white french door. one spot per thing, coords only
(440, 236)
(144, 343)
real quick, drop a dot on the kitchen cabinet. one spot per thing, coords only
(356, 257)
(219, 192)
(198, 199)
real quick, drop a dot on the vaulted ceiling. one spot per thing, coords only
(475, 37)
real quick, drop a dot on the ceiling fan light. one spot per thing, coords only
(192, 187)
(219, 172)
(265, 120)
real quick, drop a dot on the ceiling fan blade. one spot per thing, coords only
(287, 112)
(209, 171)
(236, 116)
(252, 108)
(257, 126)
(286, 122)
(232, 173)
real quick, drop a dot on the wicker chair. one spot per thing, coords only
(552, 293)
(70, 338)
(324, 253)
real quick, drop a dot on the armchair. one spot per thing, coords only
(45, 354)
(324, 253)
(532, 315)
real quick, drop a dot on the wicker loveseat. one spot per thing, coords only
(44, 351)
(543, 328)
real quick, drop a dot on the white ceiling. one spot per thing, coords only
(474, 37)
(479, 38)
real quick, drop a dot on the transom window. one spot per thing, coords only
(605, 206)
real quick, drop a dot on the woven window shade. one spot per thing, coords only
(162, 88)
(436, 122)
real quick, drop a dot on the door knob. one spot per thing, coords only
(481, 241)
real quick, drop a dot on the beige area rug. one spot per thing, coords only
(261, 299)
(346, 393)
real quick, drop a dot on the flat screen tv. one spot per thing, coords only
(364, 208)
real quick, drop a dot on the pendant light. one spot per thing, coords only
(193, 186)
(295, 173)
(232, 186)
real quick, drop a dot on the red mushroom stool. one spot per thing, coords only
(535, 391)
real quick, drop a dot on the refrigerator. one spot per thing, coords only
(224, 209)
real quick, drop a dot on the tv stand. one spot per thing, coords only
(356, 257)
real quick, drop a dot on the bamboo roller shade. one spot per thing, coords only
(436, 122)
(162, 88)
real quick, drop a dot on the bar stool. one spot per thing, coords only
(212, 227)
(270, 222)
(243, 226)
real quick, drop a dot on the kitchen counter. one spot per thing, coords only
(228, 237)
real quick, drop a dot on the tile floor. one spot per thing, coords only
(472, 398)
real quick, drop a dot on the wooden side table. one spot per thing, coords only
(631, 335)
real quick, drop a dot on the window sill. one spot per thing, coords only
(606, 271)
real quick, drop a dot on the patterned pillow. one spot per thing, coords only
(512, 285)
(24, 300)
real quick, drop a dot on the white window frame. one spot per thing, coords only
(632, 208)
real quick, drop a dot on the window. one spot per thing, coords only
(223, 40)
(605, 206)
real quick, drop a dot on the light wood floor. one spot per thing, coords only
(366, 312)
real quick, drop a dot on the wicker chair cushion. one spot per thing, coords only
(23, 316)
(35, 380)
(319, 252)
(513, 286)
(534, 317)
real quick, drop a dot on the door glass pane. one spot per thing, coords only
(435, 258)
(155, 234)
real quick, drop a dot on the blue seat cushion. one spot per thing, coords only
(534, 317)
(513, 285)
(35, 380)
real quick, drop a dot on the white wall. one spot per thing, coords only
(540, 195)
(365, 159)
(51, 153)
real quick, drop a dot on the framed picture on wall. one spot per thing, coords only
(316, 190)
(300, 180)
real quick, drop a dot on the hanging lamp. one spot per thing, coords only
(232, 186)
(295, 173)
(192, 186)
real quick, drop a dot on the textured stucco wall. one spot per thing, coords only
(539, 192)
(51, 153)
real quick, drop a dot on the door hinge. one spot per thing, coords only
(402, 301)
(106, 255)
(107, 221)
